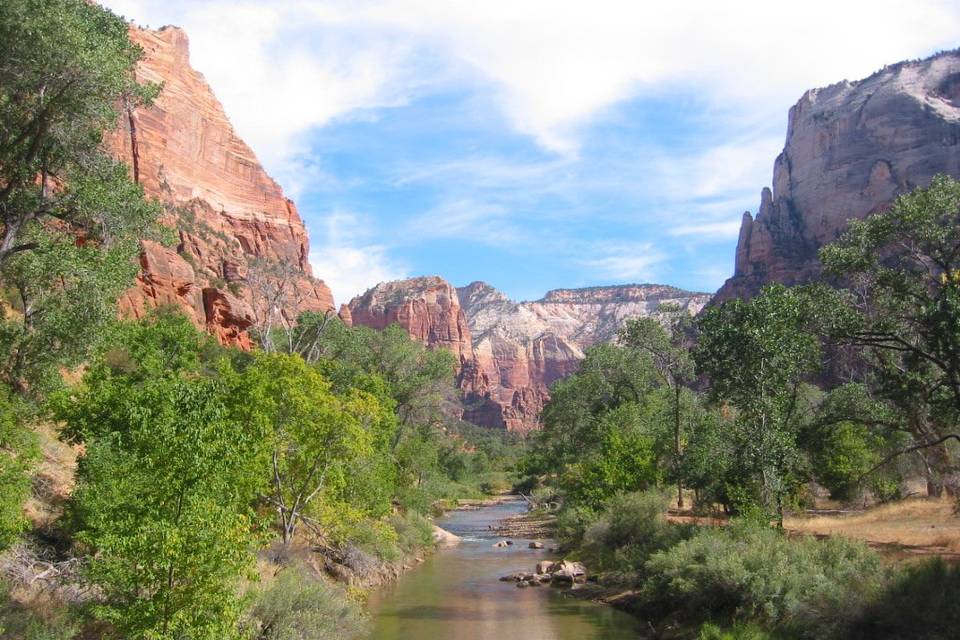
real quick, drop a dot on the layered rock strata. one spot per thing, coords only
(229, 216)
(851, 148)
(509, 353)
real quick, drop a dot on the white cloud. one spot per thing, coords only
(624, 262)
(348, 261)
(465, 219)
(708, 230)
(286, 66)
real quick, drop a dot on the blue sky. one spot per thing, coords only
(531, 144)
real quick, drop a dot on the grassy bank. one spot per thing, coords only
(748, 580)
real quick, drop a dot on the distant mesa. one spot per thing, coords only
(511, 352)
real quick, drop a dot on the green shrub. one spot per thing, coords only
(921, 602)
(845, 453)
(300, 606)
(414, 532)
(20, 623)
(808, 588)
(631, 527)
(710, 631)
(572, 524)
(18, 453)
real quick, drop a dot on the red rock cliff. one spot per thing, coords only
(851, 149)
(229, 215)
(510, 353)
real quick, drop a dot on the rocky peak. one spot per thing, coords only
(230, 216)
(511, 352)
(427, 307)
(851, 148)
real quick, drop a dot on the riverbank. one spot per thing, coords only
(456, 593)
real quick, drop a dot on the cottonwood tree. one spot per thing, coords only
(903, 271)
(71, 218)
(321, 443)
(166, 484)
(756, 355)
(667, 338)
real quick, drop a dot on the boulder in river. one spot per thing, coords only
(501, 544)
(536, 545)
(443, 538)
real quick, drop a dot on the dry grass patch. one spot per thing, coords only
(921, 525)
(53, 479)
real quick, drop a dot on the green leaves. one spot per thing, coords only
(903, 307)
(165, 488)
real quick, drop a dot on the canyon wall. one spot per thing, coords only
(229, 216)
(851, 148)
(510, 352)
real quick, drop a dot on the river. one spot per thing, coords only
(456, 595)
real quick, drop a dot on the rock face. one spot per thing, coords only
(521, 348)
(229, 215)
(851, 149)
(509, 352)
(428, 308)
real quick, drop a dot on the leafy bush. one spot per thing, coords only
(631, 527)
(572, 524)
(846, 452)
(413, 532)
(921, 602)
(20, 623)
(745, 572)
(18, 451)
(710, 631)
(300, 606)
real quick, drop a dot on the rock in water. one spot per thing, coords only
(443, 538)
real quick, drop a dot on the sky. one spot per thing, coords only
(531, 144)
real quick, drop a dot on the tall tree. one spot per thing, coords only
(903, 270)
(165, 486)
(667, 337)
(756, 355)
(71, 218)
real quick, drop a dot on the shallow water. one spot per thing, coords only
(456, 594)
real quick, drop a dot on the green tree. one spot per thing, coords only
(609, 377)
(18, 452)
(667, 337)
(757, 355)
(71, 218)
(165, 487)
(903, 270)
(328, 461)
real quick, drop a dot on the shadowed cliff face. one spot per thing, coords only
(509, 352)
(227, 212)
(851, 149)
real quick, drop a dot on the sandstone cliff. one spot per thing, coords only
(228, 214)
(510, 353)
(521, 348)
(851, 149)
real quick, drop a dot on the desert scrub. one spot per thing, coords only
(920, 602)
(631, 527)
(748, 573)
(299, 605)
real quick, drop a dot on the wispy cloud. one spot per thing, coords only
(289, 65)
(348, 259)
(708, 230)
(624, 262)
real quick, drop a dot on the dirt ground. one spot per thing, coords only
(915, 526)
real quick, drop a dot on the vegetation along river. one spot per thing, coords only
(456, 594)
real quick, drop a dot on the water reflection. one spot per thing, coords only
(456, 595)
